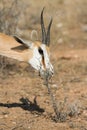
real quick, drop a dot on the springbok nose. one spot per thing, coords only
(46, 73)
(51, 70)
(51, 73)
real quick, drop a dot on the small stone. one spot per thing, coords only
(5, 116)
(59, 25)
(29, 127)
(55, 86)
(11, 73)
(85, 113)
(14, 123)
(60, 40)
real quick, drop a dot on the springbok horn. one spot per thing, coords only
(43, 29)
(48, 33)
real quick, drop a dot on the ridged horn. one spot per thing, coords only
(48, 33)
(43, 28)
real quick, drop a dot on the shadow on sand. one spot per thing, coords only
(25, 104)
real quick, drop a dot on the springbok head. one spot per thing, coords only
(41, 54)
(35, 53)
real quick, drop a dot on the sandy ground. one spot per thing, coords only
(25, 103)
(20, 85)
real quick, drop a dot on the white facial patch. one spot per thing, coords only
(47, 58)
(36, 60)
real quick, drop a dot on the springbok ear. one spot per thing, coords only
(18, 39)
(34, 35)
(21, 41)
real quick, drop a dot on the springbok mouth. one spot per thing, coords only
(46, 74)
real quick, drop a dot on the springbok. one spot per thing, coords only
(35, 53)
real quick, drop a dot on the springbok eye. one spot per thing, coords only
(40, 51)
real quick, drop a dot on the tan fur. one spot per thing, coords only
(9, 47)
(37, 43)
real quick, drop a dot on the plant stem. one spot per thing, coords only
(57, 113)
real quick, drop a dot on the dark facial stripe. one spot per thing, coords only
(43, 62)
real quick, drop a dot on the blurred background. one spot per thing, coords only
(69, 27)
(68, 56)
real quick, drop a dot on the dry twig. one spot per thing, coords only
(57, 113)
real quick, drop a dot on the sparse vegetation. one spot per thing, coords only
(69, 84)
(9, 16)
